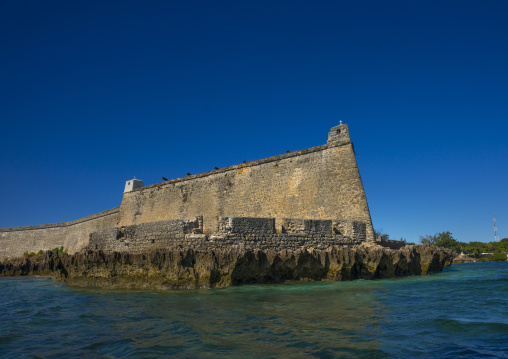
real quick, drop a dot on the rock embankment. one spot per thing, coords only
(463, 258)
(179, 268)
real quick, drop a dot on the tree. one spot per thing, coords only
(446, 240)
(443, 239)
(471, 249)
(383, 236)
(428, 239)
(498, 256)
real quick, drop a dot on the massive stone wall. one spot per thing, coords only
(321, 182)
(73, 235)
(246, 233)
(287, 193)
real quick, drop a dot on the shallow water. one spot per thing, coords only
(462, 312)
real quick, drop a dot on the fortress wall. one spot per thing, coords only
(73, 235)
(317, 183)
(279, 193)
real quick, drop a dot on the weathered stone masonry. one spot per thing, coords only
(313, 197)
(243, 232)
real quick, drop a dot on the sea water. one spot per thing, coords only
(459, 313)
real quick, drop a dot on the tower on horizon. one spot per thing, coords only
(496, 237)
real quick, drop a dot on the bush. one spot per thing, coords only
(443, 239)
(498, 256)
(60, 250)
(39, 255)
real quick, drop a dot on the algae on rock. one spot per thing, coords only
(187, 268)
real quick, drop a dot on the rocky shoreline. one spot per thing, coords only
(187, 268)
(463, 258)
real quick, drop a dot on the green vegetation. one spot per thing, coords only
(383, 236)
(443, 239)
(39, 255)
(60, 250)
(497, 250)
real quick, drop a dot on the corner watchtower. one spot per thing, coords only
(339, 135)
(132, 184)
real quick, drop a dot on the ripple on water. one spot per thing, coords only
(485, 328)
(461, 312)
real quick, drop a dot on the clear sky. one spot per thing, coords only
(93, 93)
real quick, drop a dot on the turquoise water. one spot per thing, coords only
(462, 312)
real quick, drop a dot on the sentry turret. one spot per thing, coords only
(132, 184)
(339, 135)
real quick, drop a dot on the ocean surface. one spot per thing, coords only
(459, 313)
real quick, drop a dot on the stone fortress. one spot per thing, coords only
(308, 198)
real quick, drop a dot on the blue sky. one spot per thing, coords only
(93, 93)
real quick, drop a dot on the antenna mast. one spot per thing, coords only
(496, 238)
